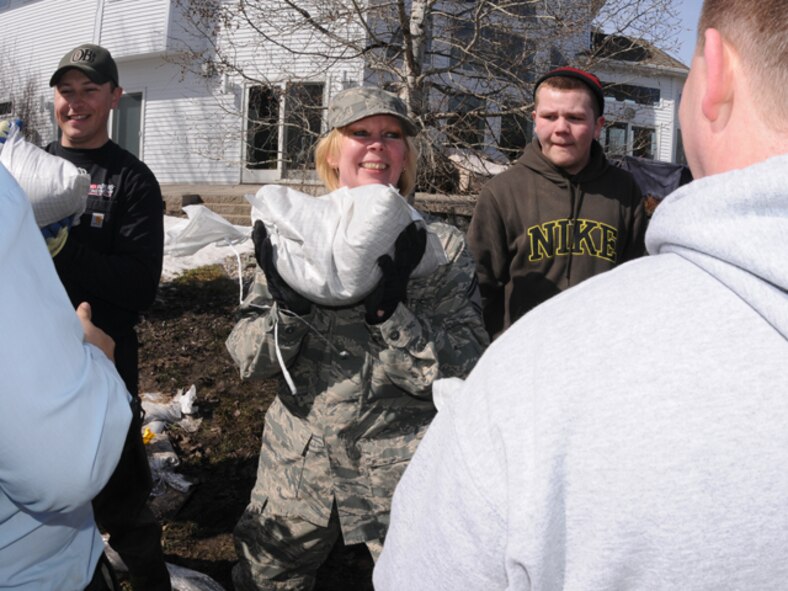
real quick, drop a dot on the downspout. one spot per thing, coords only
(98, 22)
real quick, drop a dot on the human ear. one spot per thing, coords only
(598, 126)
(117, 92)
(718, 76)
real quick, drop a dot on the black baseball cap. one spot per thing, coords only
(587, 78)
(95, 61)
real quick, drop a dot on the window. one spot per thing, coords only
(287, 136)
(640, 95)
(127, 122)
(493, 49)
(509, 52)
(6, 108)
(466, 126)
(461, 35)
(262, 130)
(516, 133)
(621, 139)
(394, 45)
(557, 58)
(614, 139)
(303, 120)
(644, 142)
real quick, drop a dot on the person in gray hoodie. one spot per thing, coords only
(658, 461)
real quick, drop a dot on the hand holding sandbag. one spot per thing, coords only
(54, 186)
(393, 287)
(284, 295)
(56, 235)
(93, 334)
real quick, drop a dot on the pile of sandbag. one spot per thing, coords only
(160, 412)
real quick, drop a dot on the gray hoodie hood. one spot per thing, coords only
(735, 227)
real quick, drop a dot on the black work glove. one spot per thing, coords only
(393, 287)
(284, 295)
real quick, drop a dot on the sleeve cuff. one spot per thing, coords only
(400, 329)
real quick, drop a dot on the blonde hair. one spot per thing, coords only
(328, 149)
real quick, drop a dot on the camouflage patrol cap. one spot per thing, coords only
(94, 61)
(354, 104)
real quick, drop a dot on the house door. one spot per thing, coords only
(127, 123)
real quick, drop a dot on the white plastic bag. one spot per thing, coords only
(181, 578)
(203, 227)
(55, 188)
(327, 247)
(185, 579)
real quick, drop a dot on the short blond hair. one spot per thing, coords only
(328, 149)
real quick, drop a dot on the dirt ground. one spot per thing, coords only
(182, 343)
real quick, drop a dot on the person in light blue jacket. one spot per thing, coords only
(64, 415)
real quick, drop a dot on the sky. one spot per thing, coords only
(688, 11)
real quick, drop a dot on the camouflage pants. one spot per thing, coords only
(278, 553)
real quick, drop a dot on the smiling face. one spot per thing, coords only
(372, 150)
(82, 109)
(565, 125)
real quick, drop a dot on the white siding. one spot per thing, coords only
(187, 136)
(134, 27)
(35, 38)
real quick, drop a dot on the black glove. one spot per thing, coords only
(393, 286)
(284, 295)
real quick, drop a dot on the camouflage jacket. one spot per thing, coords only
(363, 393)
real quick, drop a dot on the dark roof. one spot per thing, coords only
(605, 46)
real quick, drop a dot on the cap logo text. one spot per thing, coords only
(83, 55)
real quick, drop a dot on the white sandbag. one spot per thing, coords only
(327, 247)
(181, 578)
(203, 227)
(56, 188)
(185, 579)
(161, 410)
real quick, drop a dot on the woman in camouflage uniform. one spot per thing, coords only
(333, 451)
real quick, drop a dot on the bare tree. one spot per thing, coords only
(465, 68)
(20, 97)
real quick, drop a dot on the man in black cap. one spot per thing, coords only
(112, 259)
(561, 213)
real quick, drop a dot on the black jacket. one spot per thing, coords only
(113, 258)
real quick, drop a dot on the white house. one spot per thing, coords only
(204, 123)
(642, 92)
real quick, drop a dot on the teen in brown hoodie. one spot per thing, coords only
(561, 213)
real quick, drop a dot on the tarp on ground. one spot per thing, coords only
(655, 178)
